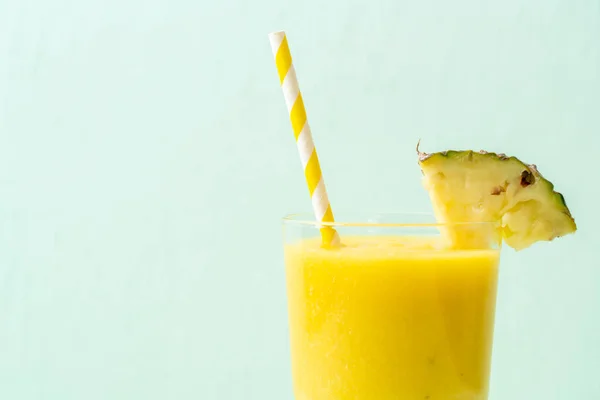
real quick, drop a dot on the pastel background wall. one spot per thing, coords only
(146, 158)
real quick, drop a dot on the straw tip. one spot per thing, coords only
(277, 34)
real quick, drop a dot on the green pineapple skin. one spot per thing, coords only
(559, 220)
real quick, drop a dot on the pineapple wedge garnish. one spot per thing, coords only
(468, 186)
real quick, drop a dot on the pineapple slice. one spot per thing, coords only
(467, 186)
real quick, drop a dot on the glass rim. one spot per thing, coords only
(365, 219)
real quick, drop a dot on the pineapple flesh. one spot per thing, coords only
(468, 186)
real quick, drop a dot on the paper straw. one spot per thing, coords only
(304, 140)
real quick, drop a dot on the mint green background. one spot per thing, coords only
(146, 158)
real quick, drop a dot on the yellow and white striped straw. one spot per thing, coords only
(304, 140)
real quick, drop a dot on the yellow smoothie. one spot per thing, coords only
(389, 317)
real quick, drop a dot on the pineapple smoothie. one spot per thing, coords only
(387, 316)
(390, 318)
(381, 311)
